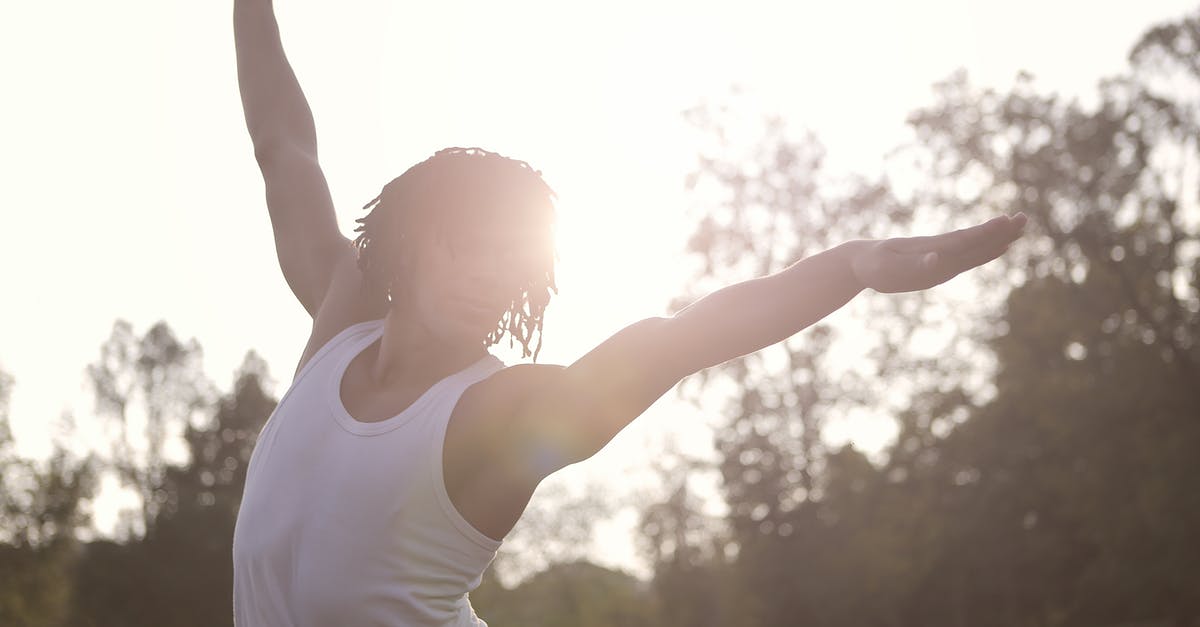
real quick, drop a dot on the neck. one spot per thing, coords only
(408, 352)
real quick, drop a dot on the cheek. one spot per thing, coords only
(436, 301)
(441, 284)
(423, 296)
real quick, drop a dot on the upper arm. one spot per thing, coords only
(280, 123)
(307, 240)
(568, 414)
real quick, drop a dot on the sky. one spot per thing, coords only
(130, 191)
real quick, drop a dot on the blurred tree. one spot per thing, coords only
(557, 527)
(579, 594)
(1041, 481)
(43, 508)
(149, 389)
(541, 575)
(766, 207)
(1070, 502)
(195, 524)
(180, 571)
(687, 547)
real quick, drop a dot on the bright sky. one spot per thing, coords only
(130, 191)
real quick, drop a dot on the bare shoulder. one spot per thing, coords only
(486, 428)
(491, 464)
(346, 303)
(519, 380)
(492, 405)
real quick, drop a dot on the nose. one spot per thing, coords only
(487, 280)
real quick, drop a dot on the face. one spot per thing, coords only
(464, 283)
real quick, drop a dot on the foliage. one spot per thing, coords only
(149, 389)
(1052, 491)
(556, 527)
(569, 593)
(195, 502)
(41, 506)
(177, 570)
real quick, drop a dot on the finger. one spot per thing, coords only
(981, 236)
(974, 258)
(1000, 228)
(999, 245)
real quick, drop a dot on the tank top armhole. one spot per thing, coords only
(464, 527)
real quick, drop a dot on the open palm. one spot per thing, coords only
(907, 264)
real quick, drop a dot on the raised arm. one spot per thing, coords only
(280, 122)
(574, 411)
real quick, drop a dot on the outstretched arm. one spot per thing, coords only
(576, 410)
(280, 122)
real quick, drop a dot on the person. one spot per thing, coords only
(403, 452)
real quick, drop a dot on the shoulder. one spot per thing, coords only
(491, 462)
(346, 303)
(489, 425)
(522, 421)
(495, 402)
(520, 379)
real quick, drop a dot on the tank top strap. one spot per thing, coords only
(347, 339)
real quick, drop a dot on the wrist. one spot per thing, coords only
(857, 255)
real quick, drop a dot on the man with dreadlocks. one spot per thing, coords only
(403, 452)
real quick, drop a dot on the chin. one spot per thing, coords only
(467, 330)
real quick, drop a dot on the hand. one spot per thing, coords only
(908, 264)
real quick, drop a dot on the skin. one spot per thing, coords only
(513, 429)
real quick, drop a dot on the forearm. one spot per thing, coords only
(747, 316)
(274, 105)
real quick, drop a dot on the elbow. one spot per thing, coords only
(267, 146)
(271, 150)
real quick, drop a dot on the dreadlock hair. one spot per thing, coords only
(453, 188)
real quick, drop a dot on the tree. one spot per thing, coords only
(179, 571)
(1070, 503)
(687, 547)
(1039, 474)
(196, 521)
(571, 593)
(556, 528)
(769, 206)
(150, 389)
(42, 507)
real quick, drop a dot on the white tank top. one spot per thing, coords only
(348, 523)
